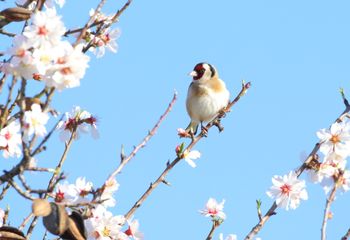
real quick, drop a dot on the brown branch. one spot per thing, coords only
(2, 81)
(7, 33)
(4, 191)
(215, 225)
(104, 26)
(20, 191)
(55, 178)
(327, 208)
(346, 236)
(58, 168)
(170, 166)
(255, 230)
(4, 112)
(90, 21)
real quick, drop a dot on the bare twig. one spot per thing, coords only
(346, 236)
(4, 112)
(151, 133)
(255, 230)
(2, 81)
(171, 165)
(4, 191)
(25, 221)
(55, 177)
(106, 25)
(20, 191)
(58, 168)
(46, 138)
(7, 33)
(90, 21)
(326, 213)
(215, 225)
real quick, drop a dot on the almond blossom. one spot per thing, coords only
(133, 231)
(336, 139)
(288, 190)
(103, 225)
(45, 27)
(106, 40)
(68, 68)
(83, 188)
(111, 186)
(214, 209)
(80, 120)
(330, 167)
(35, 121)
(11, 140)
(189, 156)
(66, 193)
(344, 181)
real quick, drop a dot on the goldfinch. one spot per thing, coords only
(207, 95)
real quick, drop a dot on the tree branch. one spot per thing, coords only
(346, 236)
(327, 208)
(169, 167)
(308, 161)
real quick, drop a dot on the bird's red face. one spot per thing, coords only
(198, 71)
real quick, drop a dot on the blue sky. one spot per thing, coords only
(295, 53)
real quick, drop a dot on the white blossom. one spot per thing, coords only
(288, 190)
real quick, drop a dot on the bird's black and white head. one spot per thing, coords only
(203, 72)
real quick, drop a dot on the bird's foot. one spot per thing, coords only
(204, 131)
(217, 123)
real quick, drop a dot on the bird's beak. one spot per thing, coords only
(193, 74)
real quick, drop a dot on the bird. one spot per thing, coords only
(207, 95)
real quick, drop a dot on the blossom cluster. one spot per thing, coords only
(101, 224)
(40, 53)
(80, 121)
(105, 38)
(335, 148)
(330, 171)
(10, 136)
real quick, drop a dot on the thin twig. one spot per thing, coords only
(4, 191)
(170, 166)
(25, 221)
(102, 27)
(255, 230)
(327, 208)
(4, 112)
(151, 133)
(346, 236)
(54, 179)
(20, 191)
(58, 168)
(7, 33)
(90, 21)
(215, 225)
(46, 138)
(2, 81)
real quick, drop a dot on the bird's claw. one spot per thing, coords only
(217, 123)
(204, 131)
